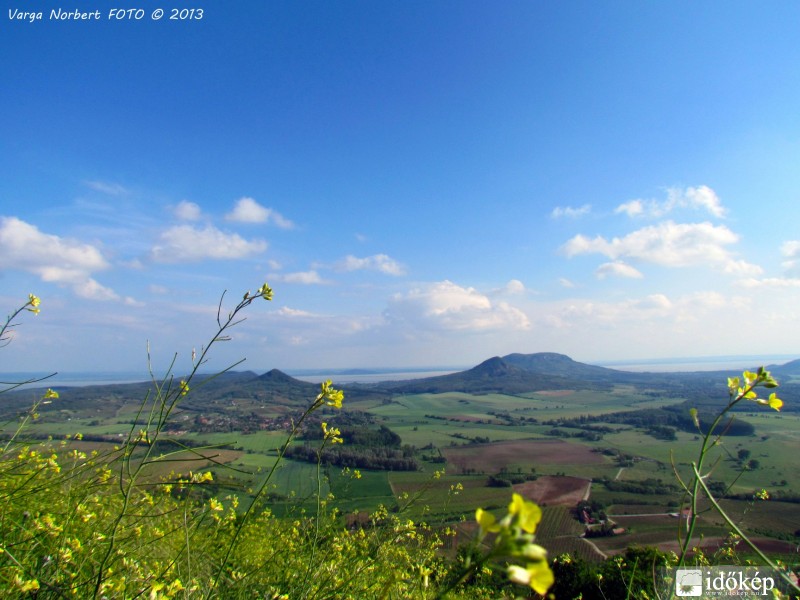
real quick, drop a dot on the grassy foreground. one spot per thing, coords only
(117, 522)
(145, 519)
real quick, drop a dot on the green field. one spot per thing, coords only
(468, 437)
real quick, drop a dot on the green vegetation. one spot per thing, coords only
(235, 485)
(146, 516)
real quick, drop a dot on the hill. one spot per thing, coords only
(496, 375)
(560, 365)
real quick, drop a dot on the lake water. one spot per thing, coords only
(339, 376)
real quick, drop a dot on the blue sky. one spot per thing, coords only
(422, 183)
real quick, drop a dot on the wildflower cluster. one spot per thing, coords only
(33, 304)
(514, 537)
(332, 434)
(328, 396)
(744, 388)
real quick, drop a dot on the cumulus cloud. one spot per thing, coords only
(668, 244)
(187, 211)
(52, 258)
(302, 277)
(378, 262)
(248, 210)
(447, 306)
(570, 212)
(514, 287)
(184, 243)
(696, 198)
(617, 269)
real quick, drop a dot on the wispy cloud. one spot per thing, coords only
(698, 198)
(771, 282)
(111, 189)
(248, 210)
(378, 262)
(791, 256)
(301, 277)
(184, 243)
(52, 258)
(570, 212)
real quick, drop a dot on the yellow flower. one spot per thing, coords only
(329, 395)
(184, 388)
(332, 434)
(528, 514)
(34, 302)
(487, 521)
(30, 585)
(50, 394)
(265, 292)
(198, 478)
(215, 504)
(537, 576)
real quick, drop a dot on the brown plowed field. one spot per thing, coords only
(491, 458)
(551, 490)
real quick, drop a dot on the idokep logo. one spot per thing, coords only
(722, 581)
(689, 582)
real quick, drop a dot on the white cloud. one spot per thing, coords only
(634, 208)
(184, 243)
(112, 189)
(570, 212)
(564, 282)
(285, 311)
(617, 269)
(771, 282)
(447, 306)
(669, 244)
(302, 277)
(248, 210)
(514, 287)
(187, 211)
(696, 198)
(701, 197)
(791, 255)
(648, 311)
(742, 268)
(377, 262)
(52, 258)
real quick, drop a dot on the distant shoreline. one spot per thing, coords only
(367, 375)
